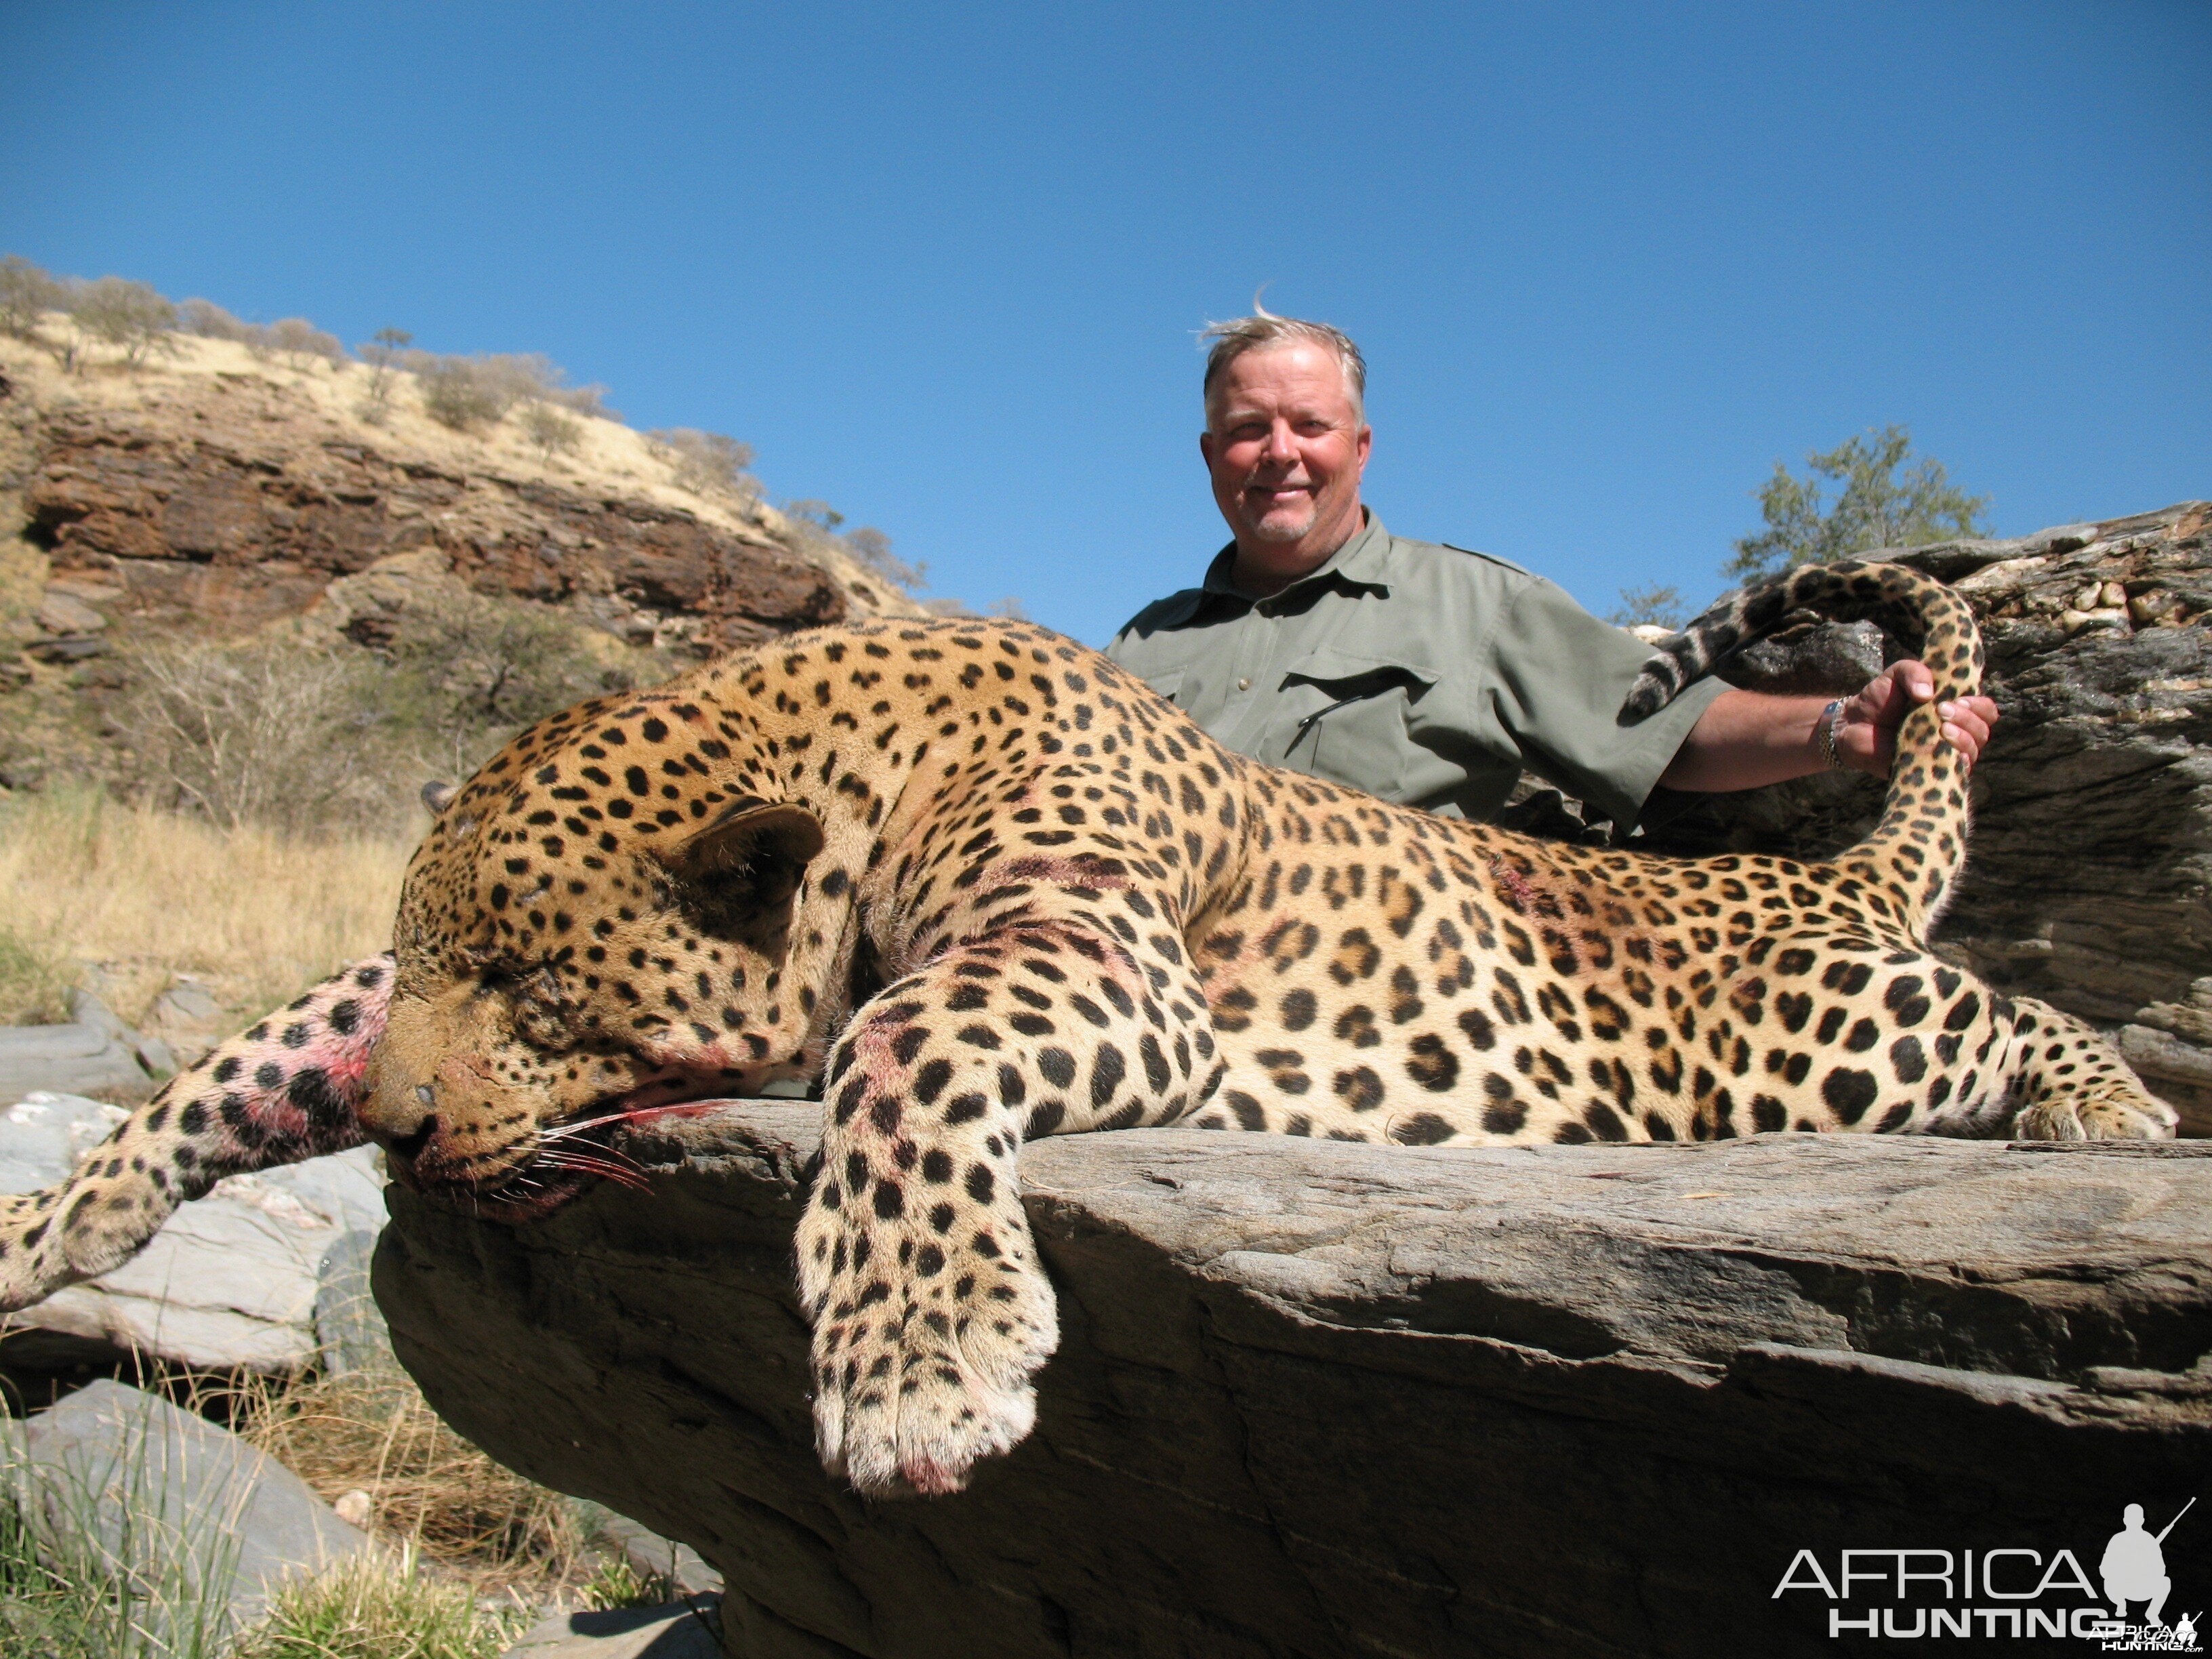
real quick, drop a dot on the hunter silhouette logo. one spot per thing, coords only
(2134, 1570)
(2012, 1592)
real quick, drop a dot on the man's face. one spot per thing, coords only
(1287, 448)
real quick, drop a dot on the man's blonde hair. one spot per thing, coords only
(1262, 329)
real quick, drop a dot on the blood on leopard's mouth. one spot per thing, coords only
(569, 1158)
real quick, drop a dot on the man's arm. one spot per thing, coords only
(1748, 739)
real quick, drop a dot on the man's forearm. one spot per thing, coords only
(1748, 739)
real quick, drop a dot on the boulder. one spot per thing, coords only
(2090, 881)
(231, 1281)
(204, 1521)
(93, 1052)
(1322, 1399)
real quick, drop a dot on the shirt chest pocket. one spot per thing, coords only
(1347, 718)
(1166, 683)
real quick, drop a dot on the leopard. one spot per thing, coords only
(967, 883)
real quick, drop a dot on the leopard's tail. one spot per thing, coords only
(286, 1090)
(1911, 863)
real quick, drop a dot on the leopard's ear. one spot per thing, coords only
(737, 876)
(439, 796)
(747, 837)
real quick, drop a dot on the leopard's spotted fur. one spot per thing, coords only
(983, 886)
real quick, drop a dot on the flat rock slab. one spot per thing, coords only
(175, 1499)
(229, 1283)
(1322, 1399)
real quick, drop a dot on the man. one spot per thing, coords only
(1429, 675)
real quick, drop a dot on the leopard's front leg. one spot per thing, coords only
(932, 1312)
(282, 1091)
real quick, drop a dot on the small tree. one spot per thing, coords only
(384, 355)
(873, 549)
(455, 394)
(303, 342)
(26, 293)
(550, 431)
(706, 462)
(129, 316)
(1876, 509)
(1655, 606)
(820, 514)
(211, 322)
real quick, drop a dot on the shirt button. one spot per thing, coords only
(1244, 685)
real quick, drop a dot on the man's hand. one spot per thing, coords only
(1748, 738)
(1866, 725)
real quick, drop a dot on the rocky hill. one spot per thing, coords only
(214, 489)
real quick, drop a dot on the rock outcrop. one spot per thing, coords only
(1320, 1399)
(2090, 881)
(240, 504)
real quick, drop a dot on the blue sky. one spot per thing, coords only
(943, 265)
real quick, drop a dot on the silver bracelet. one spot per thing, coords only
(1828, 718)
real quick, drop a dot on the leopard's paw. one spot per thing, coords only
(74, 1231)
(2097, 1114)
(924, 1352)
(33, 1264)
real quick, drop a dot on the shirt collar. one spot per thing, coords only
(1362, 562)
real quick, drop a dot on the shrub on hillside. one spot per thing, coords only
(816, 523)
(550, 431)
(300, 340)
(211, 322)
(294, 337)
(706, 463)
(261, 734)
(26, 294)
(385, 355)
(456, 393)
(464, 676)
(466, 392)
(129, 316)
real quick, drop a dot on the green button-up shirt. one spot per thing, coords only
(1425, 674)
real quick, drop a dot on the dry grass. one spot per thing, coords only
(143, 895)
(429, 1491)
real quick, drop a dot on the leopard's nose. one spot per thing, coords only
(409, 1146)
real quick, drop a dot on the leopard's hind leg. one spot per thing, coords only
(2069, 1085)
(285, 1091)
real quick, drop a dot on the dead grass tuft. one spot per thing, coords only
(144, 895)
(429, 1491)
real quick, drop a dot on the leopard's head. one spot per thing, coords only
(601, 922)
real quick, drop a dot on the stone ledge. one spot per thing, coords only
(1322, 1399)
